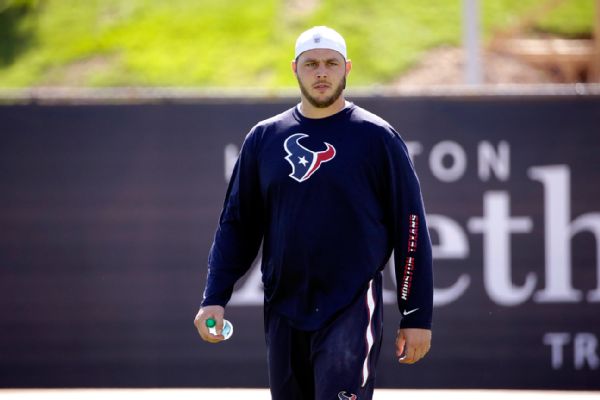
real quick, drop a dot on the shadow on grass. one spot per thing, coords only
(15, 35)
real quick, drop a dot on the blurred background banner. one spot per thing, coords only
(107, 213)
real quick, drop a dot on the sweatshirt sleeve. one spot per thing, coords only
(240, 228)
(411, 241)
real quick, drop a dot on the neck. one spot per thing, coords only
(310, 111)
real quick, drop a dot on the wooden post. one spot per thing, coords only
(473, 74)
(594, 75)
(595, 67)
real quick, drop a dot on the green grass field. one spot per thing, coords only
(234, 43)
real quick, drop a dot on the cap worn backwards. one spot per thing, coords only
(320, 37)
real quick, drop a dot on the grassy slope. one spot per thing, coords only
(235, 43)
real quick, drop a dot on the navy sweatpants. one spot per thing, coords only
(335, 362)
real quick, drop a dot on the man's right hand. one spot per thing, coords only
(215, 312)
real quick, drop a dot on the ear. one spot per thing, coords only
(348, 66)
(294, 67)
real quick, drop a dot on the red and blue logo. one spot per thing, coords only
(305, 162)
(343, 395)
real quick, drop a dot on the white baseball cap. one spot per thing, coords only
(320, 37)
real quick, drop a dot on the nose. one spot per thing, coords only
(321, 72)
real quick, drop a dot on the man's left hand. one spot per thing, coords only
(412, 344)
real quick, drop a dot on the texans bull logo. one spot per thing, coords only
(343, 396)
(305, 162)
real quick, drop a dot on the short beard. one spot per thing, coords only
(326, 102)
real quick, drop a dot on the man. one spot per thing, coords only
(330, 191)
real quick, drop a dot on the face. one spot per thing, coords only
(321, 74)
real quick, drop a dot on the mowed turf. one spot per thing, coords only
(235, 43)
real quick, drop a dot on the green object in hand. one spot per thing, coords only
(227, 328)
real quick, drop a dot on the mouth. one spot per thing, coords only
(321, 86)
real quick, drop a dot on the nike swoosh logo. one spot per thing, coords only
(409, 312)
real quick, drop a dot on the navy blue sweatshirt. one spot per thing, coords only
(330, 199)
